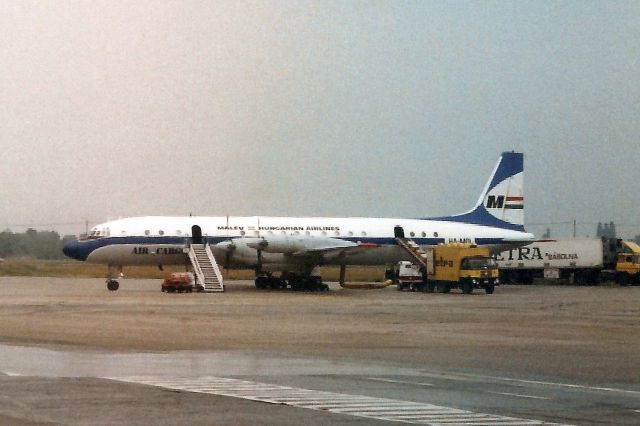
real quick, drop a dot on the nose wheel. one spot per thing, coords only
(113, 285)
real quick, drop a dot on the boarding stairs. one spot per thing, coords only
(419, 255)
(206, 268)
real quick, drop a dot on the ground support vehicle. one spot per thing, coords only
(575, 261)
(454, 265)
(407, 276)
(179, 282)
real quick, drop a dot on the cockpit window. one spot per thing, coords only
(478, 262)
(94, 234)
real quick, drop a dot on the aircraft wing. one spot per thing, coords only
(336, 250)
(305, 246)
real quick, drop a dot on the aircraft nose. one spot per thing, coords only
(72, 250)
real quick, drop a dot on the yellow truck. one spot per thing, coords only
(628, 263)
(453, 265)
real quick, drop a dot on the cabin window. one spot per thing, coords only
(242, 233)
(350, 234)
(435, 234)
(364, 234)
(413, 234)
(147, 232)
(424, 234)
(178, 232)
(161, 232)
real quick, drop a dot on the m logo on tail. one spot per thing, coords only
(495, 203)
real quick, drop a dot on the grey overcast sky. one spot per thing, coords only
(340, 108)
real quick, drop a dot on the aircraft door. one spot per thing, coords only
(398, 231)
(196, 234)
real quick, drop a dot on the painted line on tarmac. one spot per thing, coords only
(379, 379)
(11, 373)
(338, 403)
(519, 395)
(544, 383)
(466, 376)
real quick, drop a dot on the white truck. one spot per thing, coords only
(578, 261)
(406, 275)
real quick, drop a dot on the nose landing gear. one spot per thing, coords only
(112, 284)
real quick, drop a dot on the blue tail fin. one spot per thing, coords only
(501, 203)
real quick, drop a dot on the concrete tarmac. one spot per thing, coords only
(65, 381)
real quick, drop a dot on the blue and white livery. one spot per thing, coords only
(296, 245)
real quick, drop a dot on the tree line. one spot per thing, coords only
(36, 244)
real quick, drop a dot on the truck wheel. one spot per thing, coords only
(467, 288)
(489, 289)
(623, 279)
(443, 288)
(431, 287)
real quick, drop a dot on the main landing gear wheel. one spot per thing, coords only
(313, 283)
(112, 285)
(295, 282)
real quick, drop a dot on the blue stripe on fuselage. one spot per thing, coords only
(81, 250)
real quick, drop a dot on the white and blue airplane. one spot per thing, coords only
(295, 246)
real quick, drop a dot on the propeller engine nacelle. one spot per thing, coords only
(294, 244)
